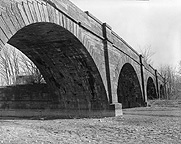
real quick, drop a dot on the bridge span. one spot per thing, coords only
(86, 65)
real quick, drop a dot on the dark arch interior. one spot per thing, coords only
(129, 90)
(151, 89)
(67, 67)
(161, 92)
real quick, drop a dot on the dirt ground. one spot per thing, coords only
(151, 125)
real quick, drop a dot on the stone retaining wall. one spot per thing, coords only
(37, 101)
(28, 96)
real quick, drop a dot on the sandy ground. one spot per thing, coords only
(158, 125)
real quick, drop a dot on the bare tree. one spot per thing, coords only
(29, 68)
(14, 63)
(8, 65)
(172, 80)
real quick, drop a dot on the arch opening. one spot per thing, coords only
(151, 89)
(67, 67)
(161, 92)
(129, 90)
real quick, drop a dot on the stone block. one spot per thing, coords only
(32, 11)
(28, 12)
(3, 36)
(116, 108)
(23, 14)
(35, 4)
(5, 28)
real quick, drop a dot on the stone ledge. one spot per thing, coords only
(58, 113)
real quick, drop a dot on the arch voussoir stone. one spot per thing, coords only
(23, 13)
(32, 12)
(5, 28)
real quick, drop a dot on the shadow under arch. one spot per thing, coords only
(66, 65)
(129, 90)
(151, 89)
(161, 91)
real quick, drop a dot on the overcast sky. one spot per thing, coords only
(142, 23)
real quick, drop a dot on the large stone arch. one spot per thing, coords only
(57, 45)
(151, 89)
(65, 64)
(129, 89)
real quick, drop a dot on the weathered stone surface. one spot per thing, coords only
(117, 108)
(5, 28)
(25, 97)
(3, 36)
(80, 57)
(23, 14)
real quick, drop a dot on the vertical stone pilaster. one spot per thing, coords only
(115, 108)
(157, 89)
(107, 41)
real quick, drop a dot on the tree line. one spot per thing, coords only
(172, 78)
(172, 75)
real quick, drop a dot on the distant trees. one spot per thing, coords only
(179, 68)
(14, 63)
(172, 75)
(172, 79)
(168, 74)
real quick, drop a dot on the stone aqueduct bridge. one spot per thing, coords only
(87, 66)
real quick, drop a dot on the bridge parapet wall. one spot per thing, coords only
(67, 8)
(120, 44)
(85, 19)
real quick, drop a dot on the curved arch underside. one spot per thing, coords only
(64, 62)
(129, 90)
(151, 89)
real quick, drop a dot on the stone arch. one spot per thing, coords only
(161, 91)
(38, 17)
(151, 89)
(129, 90)
(66, 65)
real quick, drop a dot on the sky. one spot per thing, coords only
(155, 23)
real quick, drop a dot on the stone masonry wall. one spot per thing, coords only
(28, 96)
(37, 101)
